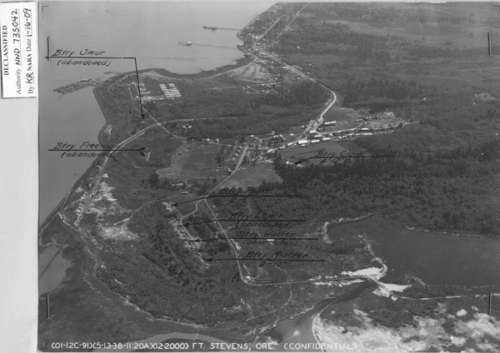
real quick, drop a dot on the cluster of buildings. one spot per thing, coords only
(319, 130)
(314, 137)
(143, 89)
(224, 170)
(329, 123)
(311, 140)
(379, 116)
(171, 92)
(277, 138)
(146, 95)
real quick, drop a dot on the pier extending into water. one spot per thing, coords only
(213, 28)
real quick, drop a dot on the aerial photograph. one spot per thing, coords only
(235, 176)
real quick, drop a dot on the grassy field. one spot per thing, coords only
(342, 114)
(296, 153)
(253, 176)
(191, 161)
(158, 151)
(201, 161)
(250, 72)
(351, 146)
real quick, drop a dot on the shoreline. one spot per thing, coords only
(315, 322)
(102, 131)
(202, 74)
(52, 214)
(100, 135)
(164, 72)
(448, 234)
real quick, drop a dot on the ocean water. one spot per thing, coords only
(150, 31)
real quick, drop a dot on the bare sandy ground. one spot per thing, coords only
(427, 334)
(250, 72)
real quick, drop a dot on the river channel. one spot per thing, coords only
(437, 259)
(75, 118)
(289, 333)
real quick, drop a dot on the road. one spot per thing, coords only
(231, 242)
(330, 103)
(95, 188)
(290, 23)
(242, 157)
(122, 144)
(199, 119)
(97, 180)
(333, 98)
(271, 27)
(119, 146)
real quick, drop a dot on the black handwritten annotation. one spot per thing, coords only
(342, 157)
(87, 149)
(66, 57)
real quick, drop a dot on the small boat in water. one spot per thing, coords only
(189, 43)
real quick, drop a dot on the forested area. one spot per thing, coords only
(159, 272)
(331, 38)
(308, 93)
(378, 93)
(231, 114)
(118, 110)
(390, 15)
(443, 124)
(381, 56)
(440, 191)
(348, 50)
(287, 106)
(249, 125)
(442, 177)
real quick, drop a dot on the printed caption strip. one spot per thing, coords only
(19, 53)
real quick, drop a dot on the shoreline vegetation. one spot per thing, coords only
(56, 209)
(202, 74)
(156, 259)
(164, 72)
(451, 234)
(72, 87)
